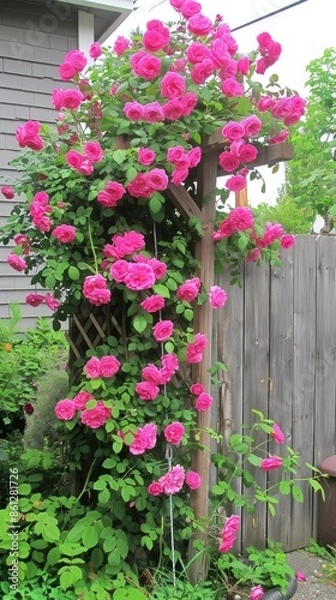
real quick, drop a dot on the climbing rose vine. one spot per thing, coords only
(96, 227)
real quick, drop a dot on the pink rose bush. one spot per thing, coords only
(99, 232)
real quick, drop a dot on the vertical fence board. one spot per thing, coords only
(304, 380)
(281, 383)
(325, 439)
(230, 337)
(256, 378)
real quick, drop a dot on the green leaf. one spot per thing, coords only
(155, 205)
(73, 273)
(161, 289)
(139, 323)
(297, 493)
(285, 487)
(90, 536)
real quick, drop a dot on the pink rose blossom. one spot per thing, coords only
(254, 255)
(217, 296)
(64, 233)
(8, 192)
(95, 290)
(147, 391)
(170, 362)
(52, 302)
(65, 409)
(189, 290)
(144, 439)
(109, 366)
(271, 463)
(203, 402)
(95, 50)
(252, 125)
(140, 276)
(241, 218)
(173, 110)
(193, 480)
(119, 270)
(163, 330)
(81, 399)
(189, 102)
(178, 157)
(153, 112)
(173, 481)
(173, 85)
(236, 183)
(28, 136)
(179, 175)
(16, 262)
(199, 25)
(153, 303)
(152, 374)
(232, 88)
(110, 196)
(248, 153)
(228, 161)
(194, 156)
(301, 577)
(219, 53)
(155, 488)
(93, 151)
(229, 533)
(146, 156)
(92, 368)
(196, 389)
(74, 159)
(233, 131)
(158, 179)
(177, 4)
(67, 71)
(197, 52)
(190, 8)
(34, 299)
(243, 65)
(22, 240)
(121, 44)
(153, 40)
(77, 59)
(273, 231)
(277, 434)
(265, 103)
(148, 67)
(134, 110)
(96, 417)
(257, 592)
(287, 241)
(71, 99)
(174, 433)
(202, 71)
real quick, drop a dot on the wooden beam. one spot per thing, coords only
(203, 323)
(184, 203)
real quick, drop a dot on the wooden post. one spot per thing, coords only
(241, 198)
(206, 183)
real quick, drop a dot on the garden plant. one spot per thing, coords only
(97, 227)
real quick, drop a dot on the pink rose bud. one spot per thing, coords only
(8, 192)
(271, 463)
(300, 576)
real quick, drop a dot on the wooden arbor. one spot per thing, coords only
(206, 176)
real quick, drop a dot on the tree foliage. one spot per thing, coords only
(293, 218)
(312, 173)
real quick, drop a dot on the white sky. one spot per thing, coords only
(304, 32)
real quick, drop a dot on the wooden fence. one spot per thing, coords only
(277, 336)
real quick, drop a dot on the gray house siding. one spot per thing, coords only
(33, 40)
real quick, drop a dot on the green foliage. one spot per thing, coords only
(24, 357)
(312, 174)
(268, 568)
(293, 217)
